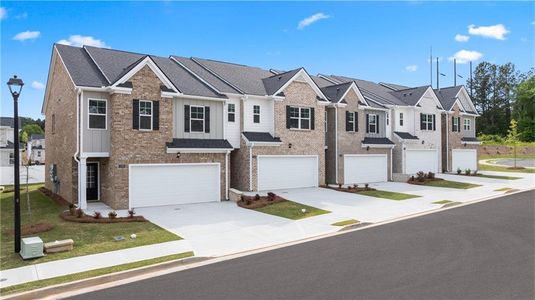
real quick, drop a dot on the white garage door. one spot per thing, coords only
(464, 159)
(284, 172)
(421, 160)
(366, 168)
(168, 184)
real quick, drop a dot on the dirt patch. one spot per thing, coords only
(253, 202)
(350, 189)
(66, 215)
(29, 229)
(426, 180)
(57, 198)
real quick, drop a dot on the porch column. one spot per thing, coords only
(82, 192)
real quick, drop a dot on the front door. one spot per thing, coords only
(92, 182)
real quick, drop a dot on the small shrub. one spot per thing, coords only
(72, 209)
(412, 178)
(431, 175)
(79, 213)
(349, 187)
(339, 185)
(366, 186)
(131, 213)
(112, 215)
(459, 171)
(356, 186)
(271, 196)
(97, 215)
(467, 172)
(421, 176)
(256, 197)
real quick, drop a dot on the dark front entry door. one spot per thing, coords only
(92, 182)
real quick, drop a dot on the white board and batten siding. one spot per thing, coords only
(216, 119)
(171, 184)
(417, 160)
(232, 129)
(287, 171)
(463, 159)
(365, 168)
(267, 117)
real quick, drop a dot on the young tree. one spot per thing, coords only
(24, 137)
(524, 109)
(513, 138)
(32, 128)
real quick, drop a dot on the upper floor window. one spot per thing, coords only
(427, 122)
(372, 123)
(53, 123)
(196, 118)
(455, 124)
(325, 124)
(400, 119)
(11, 158)
(351, 121)
(300, 117)
(38, 153)
(467, 124)
(387, 119)
(97, 114)
(256, 113)
(145, 115)
(231, 112)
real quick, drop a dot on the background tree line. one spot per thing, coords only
(30, 126)
(500, 94)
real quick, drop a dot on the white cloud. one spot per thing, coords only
(80, 40)
(461, 38)
(3, 13)
(411, 68)
(465, 56)
(494, 31)
(27, 35)
(524, 40)
(38, 85)
(312, 19)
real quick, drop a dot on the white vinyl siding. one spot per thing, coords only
(266, 116)
(217, 118)
(97, 113)
(93, 140)
(232, 129)
(287, 171)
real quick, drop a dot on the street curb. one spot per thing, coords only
(106, 281)
(102, 279)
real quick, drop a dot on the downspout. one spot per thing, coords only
(250, 167)
(226, 174)
(75, 156)
(447, 144)
(336, 142)
(391, 164)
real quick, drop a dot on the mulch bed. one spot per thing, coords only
(351, 189)
(66, 215)
(253, 202)
(29, 229)
(57, 198)
(426, 180)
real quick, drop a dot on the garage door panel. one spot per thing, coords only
(154, 185)
(421, 160)
(365, 168)
(464, 159)
(283, 172)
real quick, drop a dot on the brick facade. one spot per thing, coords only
(453, 139)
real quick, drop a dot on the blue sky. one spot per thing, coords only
(378, 41)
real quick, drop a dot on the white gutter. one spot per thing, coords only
(251, 167)
(391, 164)
(447, 143)
(75, 156)
(226, 175)
(336, 142)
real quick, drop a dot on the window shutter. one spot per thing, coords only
(135, 114)
(155, 115)
(287, 116)
(207, 119)
(377, 122)
(422, 125)
(348, 126)
(458, 124)
(433, 117)
(312, 119)
(186, 118)
(367, 123)
(453, 123)
(356, 121)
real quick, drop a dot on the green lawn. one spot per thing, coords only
(484, 156)
(442, 202)
(88, 274)
(291, 210)
(388, 195)
(499, 177)
(346, 222)
(504, 189)
(88, 238)
(451, 184)
(483, 167)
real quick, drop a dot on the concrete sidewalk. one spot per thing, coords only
(90, 262)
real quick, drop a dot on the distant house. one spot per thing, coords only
(36, 149)
(7, 154)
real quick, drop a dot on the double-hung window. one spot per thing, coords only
(256, 113)
(387, 119)
(426, 121)
(351, 124)
(11, 158)
(467, 124)
(196, 118)
(145, 115)
(231, 112)
(300, 117)
(400, 119)
(455, 126)
(372, 123)
(97, 114)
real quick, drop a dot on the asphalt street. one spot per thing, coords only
(480, 251)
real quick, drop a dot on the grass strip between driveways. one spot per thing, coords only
(346, 222)
(499, 177)
(388, 195)
(442, 202)
(483, 167)
(451, 184)
(503, 189)
(291, 210)
(88, 274)
(88, 238)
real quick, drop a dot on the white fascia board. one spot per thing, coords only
(94, 154)
(197, 150)
(458, 104)
(465, 94)
(378, 146)
(355, 88)
(375, 108)
(192, 97)
(471, 143)
(433, 95)
(147, 61)
(309, 80)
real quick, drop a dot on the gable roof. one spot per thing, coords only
(334, 93)
(447, 96)
(9, 122)
(274, 83)
(410, 96)
(80, 66)
(113, 63)
(393, 86)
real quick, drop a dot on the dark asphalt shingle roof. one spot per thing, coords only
(114, 63)
(213, 80)
(372, 91)
(446, 96)
(8, 121)
(199, 144)
(11, 145)
(273, 83)
(405, 135)
(394, 86)
(265, 137)
(377, 141)
(37, 137)
(469, 139)
(80, 66)
(411, 95)
(335, 92)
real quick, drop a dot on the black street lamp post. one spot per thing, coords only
(15, 87)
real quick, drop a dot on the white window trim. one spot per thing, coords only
(353, 123)
(255, 114)
(231, 112)
(197, 119)
(299, 118)
(97, 114)
(428, 122)
(387, 119)
(376, 131)
(455, 126)
(11, 160)
(467, 125)
(401, 121)
(145, 115)
(325, 124)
